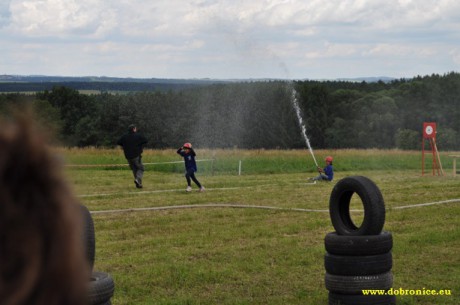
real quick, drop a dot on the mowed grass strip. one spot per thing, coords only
(256, 256)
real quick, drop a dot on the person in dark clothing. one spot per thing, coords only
(188, 153)
(133, 143)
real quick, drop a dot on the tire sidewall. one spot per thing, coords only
(372, 199)
(358, 245)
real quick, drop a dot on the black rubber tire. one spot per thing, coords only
(354, 284)
(89, 238)
(358, 245)
(101, 288)
(374, 207)
(358, 265)
(347, 299)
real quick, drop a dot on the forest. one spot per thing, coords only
(255, 114)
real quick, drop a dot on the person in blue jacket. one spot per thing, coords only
(326, 173)
(188, 153)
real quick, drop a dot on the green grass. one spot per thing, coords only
(261, 161)
(219, 255)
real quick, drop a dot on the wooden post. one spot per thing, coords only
(439, 158)
(454, 164)
(455, 167)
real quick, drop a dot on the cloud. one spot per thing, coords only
(175, 19)
(60, 18)
(5, 13)
(269, 38)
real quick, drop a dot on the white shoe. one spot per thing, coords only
(188, 189)
(202, 189)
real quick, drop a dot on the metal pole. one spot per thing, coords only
(239, 168)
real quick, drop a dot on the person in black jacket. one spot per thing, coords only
(133, 143)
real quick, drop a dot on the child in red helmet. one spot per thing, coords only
(188, 153)
(327, 173)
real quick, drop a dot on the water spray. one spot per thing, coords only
(302, 125)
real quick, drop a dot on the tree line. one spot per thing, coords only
(258, 114)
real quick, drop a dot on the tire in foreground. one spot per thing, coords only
(372, 199)
(101, 288)
(358, 245)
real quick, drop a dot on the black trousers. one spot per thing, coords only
(190, 175)
(137, 167)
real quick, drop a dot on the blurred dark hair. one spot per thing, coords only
(131, 127)
(41, 246)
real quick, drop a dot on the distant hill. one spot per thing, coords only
(384, 79)
(35, 83)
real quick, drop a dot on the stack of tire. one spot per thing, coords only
(100, 286)
(358, 258)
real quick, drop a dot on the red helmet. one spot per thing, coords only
(328, 159)
(187, 145)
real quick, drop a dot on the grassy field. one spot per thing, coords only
(202, 254)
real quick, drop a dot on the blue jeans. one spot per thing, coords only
(321, 177)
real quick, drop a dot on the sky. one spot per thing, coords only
(230, 39)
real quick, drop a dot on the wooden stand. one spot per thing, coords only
(436, 160)
(429, 133)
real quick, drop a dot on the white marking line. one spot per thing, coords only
(173, 162)
(425, 204)
(124, 164)
(234, 205)
(210, 205)
(130, 193)
(181, 190)
(172, 190)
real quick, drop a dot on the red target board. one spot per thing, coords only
(429, 130)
